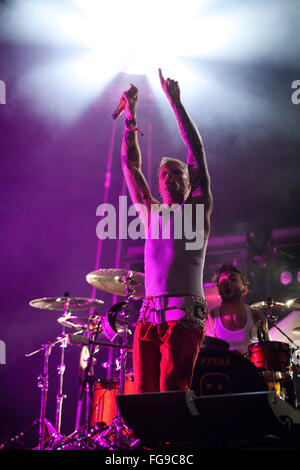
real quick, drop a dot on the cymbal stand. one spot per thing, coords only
(79, 438)
(273, 319)
(82, 436)
(43, 383)
(61, 370)
(85, 388)
(118, 427)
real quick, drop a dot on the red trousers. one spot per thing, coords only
(164, 356)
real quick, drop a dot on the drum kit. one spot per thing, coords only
(276, 360)
(266, 366)
(99, 425)
(98, 421)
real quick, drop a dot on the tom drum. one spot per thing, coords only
(104, 393)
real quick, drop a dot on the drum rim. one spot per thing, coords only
(275, 343)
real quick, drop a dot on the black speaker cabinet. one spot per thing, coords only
(182, 417)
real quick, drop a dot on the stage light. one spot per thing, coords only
(84, 44)
(144, 36)
(138, 38)
(286, 277)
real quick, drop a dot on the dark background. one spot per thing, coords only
(52, 180)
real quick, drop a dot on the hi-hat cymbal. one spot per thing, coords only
(65, 303)
(114, 281)
(263, 305)
(78, 323)
(294, 304)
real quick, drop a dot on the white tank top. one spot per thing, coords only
(171, 268)
(239, 339)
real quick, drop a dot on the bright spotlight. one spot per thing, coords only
(96, 40)
(286, 278)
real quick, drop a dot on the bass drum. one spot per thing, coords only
(222, 372)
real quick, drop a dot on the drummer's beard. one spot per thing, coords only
(230, 294)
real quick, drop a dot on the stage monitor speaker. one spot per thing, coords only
(159, 417)
(182, 417)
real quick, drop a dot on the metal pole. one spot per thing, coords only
(107, 184)
(60, 396)
(61, 370)
(44, 383)
(112, 353)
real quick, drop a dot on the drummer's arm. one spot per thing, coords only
(260, 319)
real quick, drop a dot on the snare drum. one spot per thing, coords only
(104, 393)
(270, 355)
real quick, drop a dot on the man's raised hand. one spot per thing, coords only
(170, 88)
(130, 96)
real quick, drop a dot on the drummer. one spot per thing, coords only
(234, 321)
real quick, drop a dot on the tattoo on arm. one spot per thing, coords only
(130, 152)
(196, 160)
(142, 186)
(131, 160)
(188, 131)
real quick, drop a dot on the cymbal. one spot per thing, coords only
(65, 303)
(114, 281)
(78, 323)
(263, 305)
(294, 304)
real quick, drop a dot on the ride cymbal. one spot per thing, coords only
(115, 281)
(79, 323)
(263, 305)
(293, 304)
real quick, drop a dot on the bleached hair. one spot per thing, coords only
(166, 160)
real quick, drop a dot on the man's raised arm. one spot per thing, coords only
(131, 156)
(199, 176)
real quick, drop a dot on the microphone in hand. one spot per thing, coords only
(131, 93)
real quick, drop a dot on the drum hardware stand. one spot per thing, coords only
(61, 369)
(273, 319)
(117, 428)
(81, 432)
(82, 435)
(85, 389)
(43, 383)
